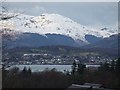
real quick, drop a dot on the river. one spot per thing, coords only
(39, 68)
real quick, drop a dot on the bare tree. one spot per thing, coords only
(4, 14)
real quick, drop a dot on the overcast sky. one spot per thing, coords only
(63, 0)
(97, 14)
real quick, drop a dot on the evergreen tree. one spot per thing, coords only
(112, 68)
(3, 66)
(117, 67)
(117, 70)
(74, 67)
(104, 67)
(14, 70)
(24, 71)
(29, 71)
(80, 68)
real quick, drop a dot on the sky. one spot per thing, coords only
(63, 0)
(92, 14)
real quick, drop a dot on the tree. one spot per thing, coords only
(80, 68)
(117, 67)
(74, 67)
(14, 70)
(29, 71)
(117, 70)
(3, 66)
(4, 15)
(104, 67)
(112, 68)
(24, 71)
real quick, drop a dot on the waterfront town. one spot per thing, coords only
(49, 59)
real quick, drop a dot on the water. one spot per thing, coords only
(39, 68)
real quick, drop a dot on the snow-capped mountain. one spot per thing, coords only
(49, 24)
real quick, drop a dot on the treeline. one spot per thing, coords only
(108, 74)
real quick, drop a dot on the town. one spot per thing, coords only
(50, 59)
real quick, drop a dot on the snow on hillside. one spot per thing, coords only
(53, 24)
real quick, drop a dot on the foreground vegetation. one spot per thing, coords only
(107, 75)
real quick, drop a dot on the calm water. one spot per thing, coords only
(39, 68)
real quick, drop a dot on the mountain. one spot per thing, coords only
(36, 40)
(109, 45)
(110, 42)
(92, 39)
(48, 29)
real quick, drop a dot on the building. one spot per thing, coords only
(87, 86)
